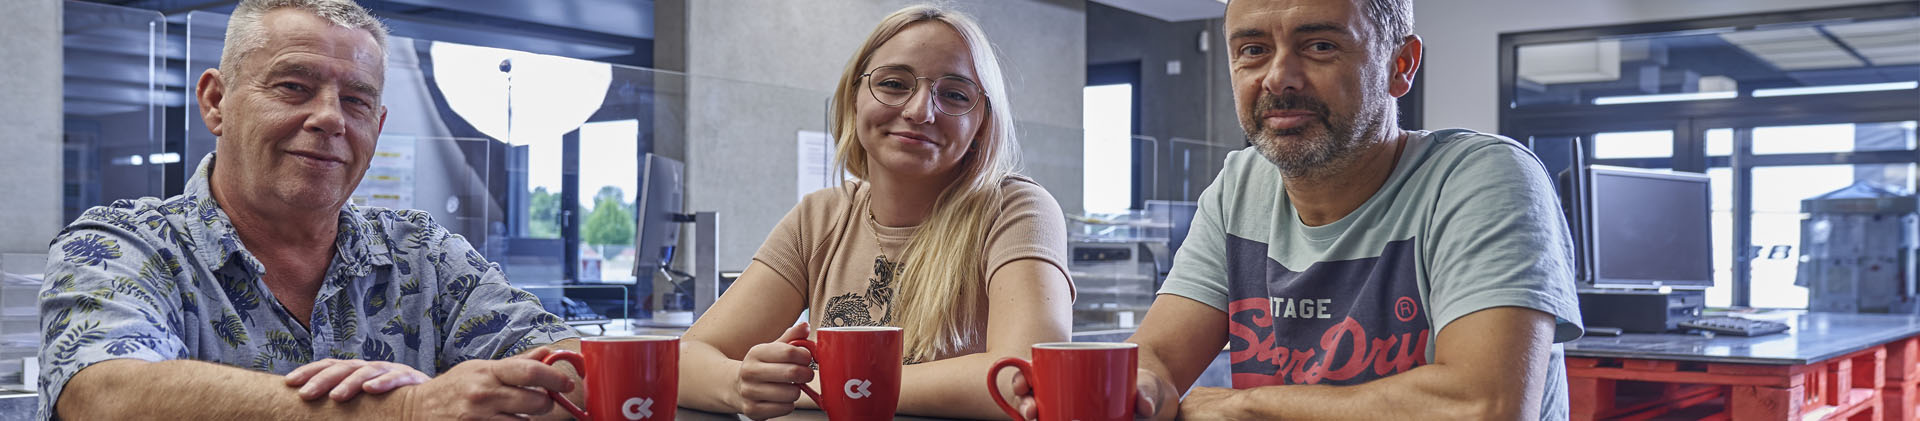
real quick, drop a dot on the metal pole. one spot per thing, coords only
(1742, 216)
(706, 275)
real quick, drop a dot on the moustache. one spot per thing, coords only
(1290, 101)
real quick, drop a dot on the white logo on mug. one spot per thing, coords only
(857, 383)
(637, 409)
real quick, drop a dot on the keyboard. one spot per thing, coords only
(577, 311)
(1735, 325)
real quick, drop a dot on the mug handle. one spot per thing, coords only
(993, 387)
(579, 364)
(813, 349)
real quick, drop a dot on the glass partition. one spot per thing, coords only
(204, 34)
(538, 160)
(451, 147)
(1120, 257)
(113, 99)
(1192, 165)
(113, 106)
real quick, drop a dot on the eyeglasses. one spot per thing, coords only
(894, 86)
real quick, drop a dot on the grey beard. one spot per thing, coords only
(1310, 156)
(1318, 155)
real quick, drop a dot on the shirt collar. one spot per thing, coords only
(359, 246)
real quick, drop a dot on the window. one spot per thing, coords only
(1774, 108)
(1833, 138)
(612, 173)
(1777, 212)
(1776, 227)
(1108, 152)
(1118, 166)
(1647, 144)
(537, 107)
(1720, 184)
(1719, 142)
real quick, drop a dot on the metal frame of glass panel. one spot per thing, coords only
(114, 105)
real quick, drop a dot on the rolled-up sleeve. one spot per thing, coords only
(108, 295)
(490, 319)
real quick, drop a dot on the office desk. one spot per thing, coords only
(20, 406)
(798, 415)
(1829, 365)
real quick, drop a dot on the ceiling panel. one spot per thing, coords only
(627, 18)
(1793, 48)
(1886, 42)
(1571, 62)
(1172, 10)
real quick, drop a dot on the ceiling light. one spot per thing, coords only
(1835, 89)
(1689, 96)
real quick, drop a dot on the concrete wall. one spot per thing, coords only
(764, 69)
(30, 117)
(1462, 38)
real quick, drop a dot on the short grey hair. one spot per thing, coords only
(1392, 21)
(245, 33)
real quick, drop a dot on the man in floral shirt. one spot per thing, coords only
(181, 307)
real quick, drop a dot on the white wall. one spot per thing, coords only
(31, 122)
(1463, 37)
(762, 69)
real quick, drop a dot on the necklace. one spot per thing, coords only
(873, 225)
(880, 286)
(883, 267)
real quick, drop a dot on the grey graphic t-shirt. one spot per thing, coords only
(160, 279)
(1467, 221)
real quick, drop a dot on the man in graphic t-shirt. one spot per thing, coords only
(1352, 269)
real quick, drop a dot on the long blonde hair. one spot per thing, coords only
(940, 290)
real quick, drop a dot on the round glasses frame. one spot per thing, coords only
(931, 83)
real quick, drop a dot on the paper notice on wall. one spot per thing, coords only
(389, 179)
(816, 164)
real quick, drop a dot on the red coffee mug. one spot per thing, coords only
(1075, 380)
(628, 377)
(859, 368)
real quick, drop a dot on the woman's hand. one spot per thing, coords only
(771, 375)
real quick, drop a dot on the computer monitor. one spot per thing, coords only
(1647, 229)
(1568, 161)
(657, 229)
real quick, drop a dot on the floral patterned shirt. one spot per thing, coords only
(159, 279)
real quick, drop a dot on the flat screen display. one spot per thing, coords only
(1650, 228)
(656, 230)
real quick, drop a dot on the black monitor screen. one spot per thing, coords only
(1650, 228)
(656, 231)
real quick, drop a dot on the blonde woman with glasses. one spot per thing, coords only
(940, 237)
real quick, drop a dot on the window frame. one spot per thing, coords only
(1690, 120)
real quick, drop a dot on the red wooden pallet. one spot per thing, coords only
(1898, 396)
(1853, 387)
